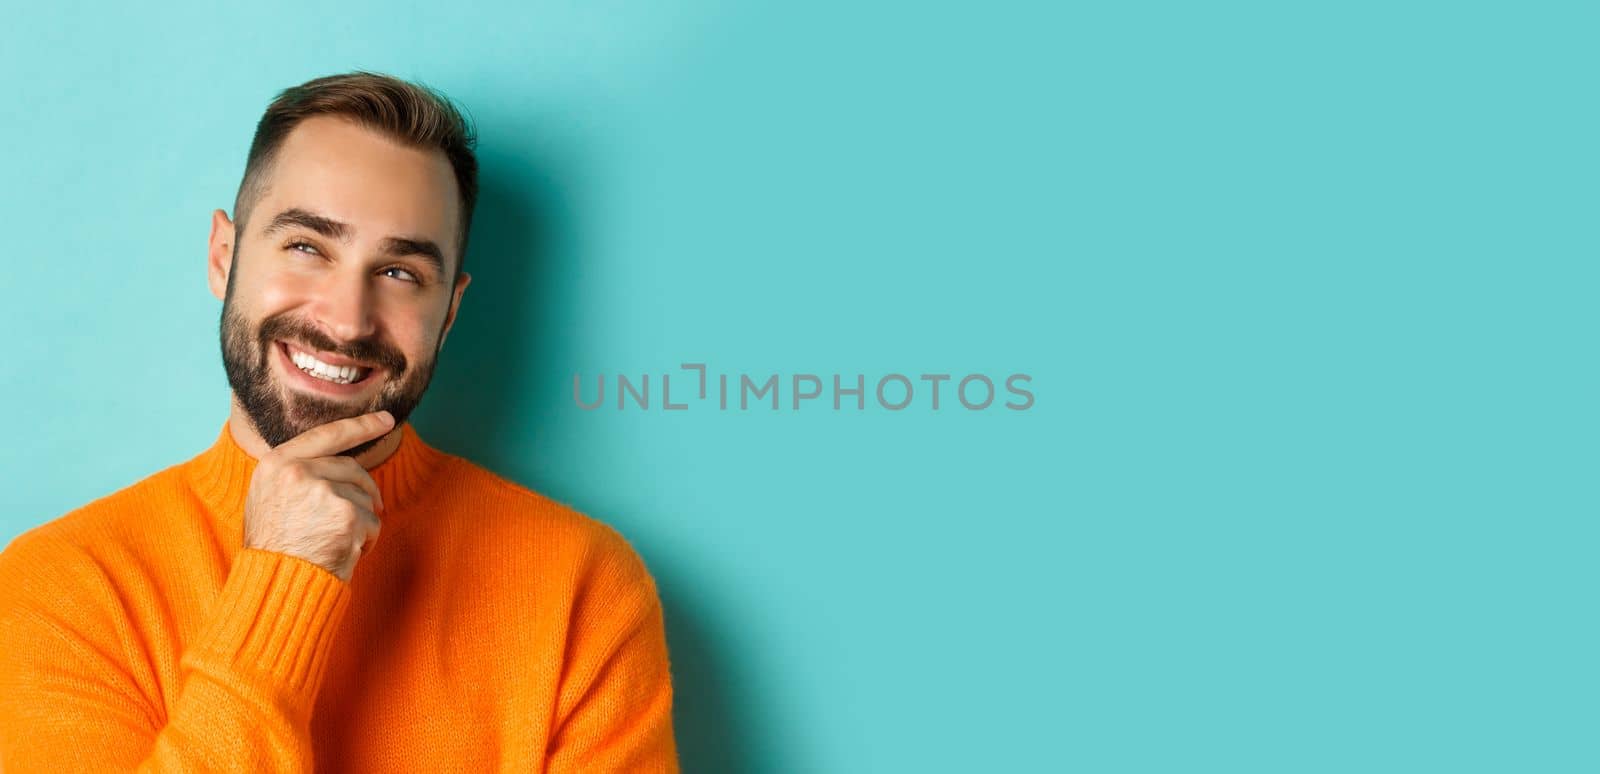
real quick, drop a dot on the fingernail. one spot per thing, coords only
(387, 418)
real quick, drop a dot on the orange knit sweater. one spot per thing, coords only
(489, 629)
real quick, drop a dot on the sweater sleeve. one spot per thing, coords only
(69, 701)
(618, 684)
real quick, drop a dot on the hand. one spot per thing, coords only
(306, 501)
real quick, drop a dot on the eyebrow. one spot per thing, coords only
(394, 246)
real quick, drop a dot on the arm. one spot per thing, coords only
(69, 703)
(617, 691)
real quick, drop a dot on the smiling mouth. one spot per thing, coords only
(327, 372)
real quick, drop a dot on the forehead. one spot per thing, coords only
(341, 170)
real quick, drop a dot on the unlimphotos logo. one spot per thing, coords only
(893, 392)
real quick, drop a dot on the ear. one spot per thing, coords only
(462, 280)
(219, 258)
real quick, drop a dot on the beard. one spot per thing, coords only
(280, 413)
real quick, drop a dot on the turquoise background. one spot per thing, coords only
(1307, 292)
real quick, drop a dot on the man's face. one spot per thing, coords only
(318, 325)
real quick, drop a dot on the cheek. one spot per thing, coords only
(412, 329)
(276, 292)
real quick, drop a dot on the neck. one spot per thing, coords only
(249, 439)
(402, 465)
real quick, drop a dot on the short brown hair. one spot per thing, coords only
(409, 113)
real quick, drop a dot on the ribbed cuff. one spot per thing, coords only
(275, 623)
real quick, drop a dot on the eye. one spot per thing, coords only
(297, 243)
(403, 273)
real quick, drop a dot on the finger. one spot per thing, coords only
(335, 437)
(354, 494)
(347, 471)
(372, 527)
(367, 529)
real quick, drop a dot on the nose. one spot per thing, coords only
(344, 306)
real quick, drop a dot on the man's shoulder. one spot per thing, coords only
(105, 520)
(71, 553)
(538, 517)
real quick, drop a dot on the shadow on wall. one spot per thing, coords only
(508, 338)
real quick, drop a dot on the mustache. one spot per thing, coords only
(368, 350)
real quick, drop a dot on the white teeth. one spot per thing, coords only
(326, 372)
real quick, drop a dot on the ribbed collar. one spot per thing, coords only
(220, 476)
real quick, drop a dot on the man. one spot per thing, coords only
(239, 611)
